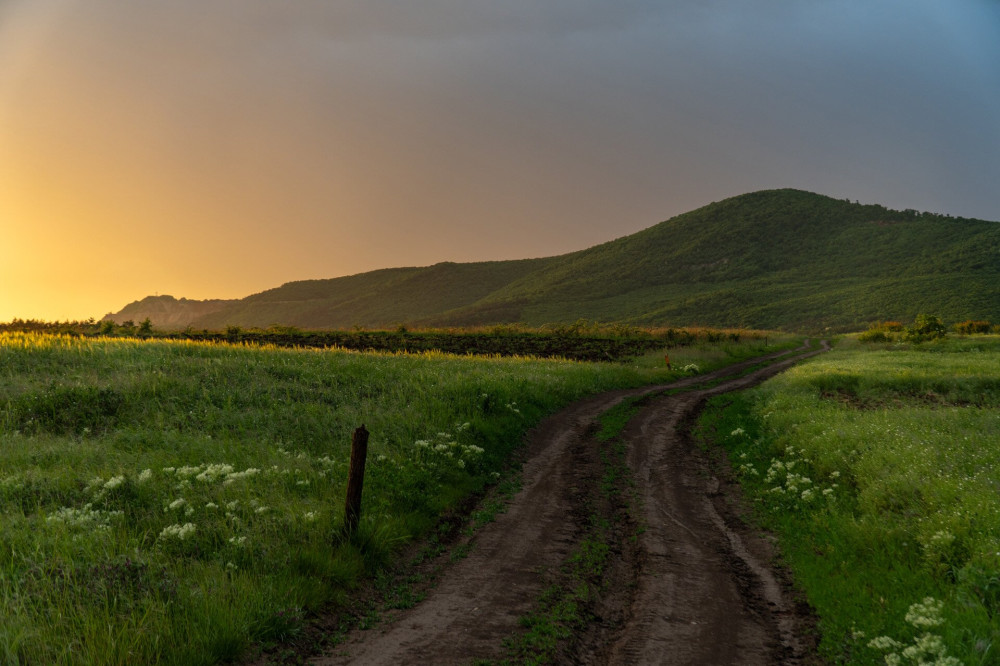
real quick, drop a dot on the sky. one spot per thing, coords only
(218, 148)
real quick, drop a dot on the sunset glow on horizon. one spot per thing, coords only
(214, 150)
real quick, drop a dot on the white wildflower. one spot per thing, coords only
(114, 482)
(176, 531)
(85, 517)
(185, 472)
(926, 614)
(884, 643)
(236, 476)
(213, 472)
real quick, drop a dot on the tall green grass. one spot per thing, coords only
(880, 470)
(174, 502)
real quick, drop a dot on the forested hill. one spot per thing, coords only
(773, 259)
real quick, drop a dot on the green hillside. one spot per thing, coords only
(382, 297)
(773, 259)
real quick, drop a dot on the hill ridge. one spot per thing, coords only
(781, 258)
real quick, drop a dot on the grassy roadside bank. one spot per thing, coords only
(878, 467)
(174, 502)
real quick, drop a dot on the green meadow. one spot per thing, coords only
(179, 502)
(878, 466)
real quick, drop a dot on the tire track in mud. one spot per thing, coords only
(702, 593)
(705, 593)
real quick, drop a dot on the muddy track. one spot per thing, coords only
(697, 587)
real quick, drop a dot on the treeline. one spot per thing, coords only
(89, 327)
(581, 341)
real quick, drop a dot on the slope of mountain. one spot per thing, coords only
(775, 259)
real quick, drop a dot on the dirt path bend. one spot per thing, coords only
(702, 592)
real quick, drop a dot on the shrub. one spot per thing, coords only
(875, 335)
(971, 327)
(926, 327)
(881, 331)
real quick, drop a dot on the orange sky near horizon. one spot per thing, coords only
(214, 150)
(119, 181)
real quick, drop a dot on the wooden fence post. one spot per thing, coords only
(355, 480)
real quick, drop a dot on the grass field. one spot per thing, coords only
(178, 502)
(879, 468)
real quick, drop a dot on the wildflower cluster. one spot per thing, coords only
(443, 452)
(86, 517)
(179, 504)
(176, 531)
(747, 468)
(927, 648)
(691, 368)
(790, 487)
(99, 488)
(209, 473)
(208, 503)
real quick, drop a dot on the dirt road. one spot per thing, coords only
(696, 587)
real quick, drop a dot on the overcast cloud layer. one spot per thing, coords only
(215, 149)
